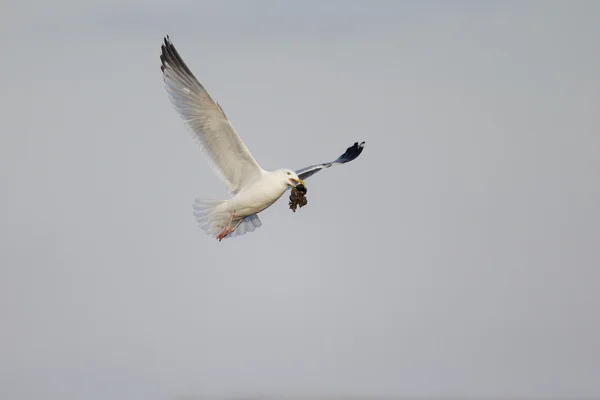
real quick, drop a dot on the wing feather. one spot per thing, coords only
(225, 152)
(350, 154)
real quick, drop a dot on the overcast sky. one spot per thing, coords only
(457, 256)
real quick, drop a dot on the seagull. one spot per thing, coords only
(251, 188)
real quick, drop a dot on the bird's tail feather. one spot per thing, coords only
(212, 218)
(209, 216)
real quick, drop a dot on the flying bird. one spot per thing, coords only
(251, 188)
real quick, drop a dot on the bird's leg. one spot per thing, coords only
(227, 230)
(236, 225)
(231, 230)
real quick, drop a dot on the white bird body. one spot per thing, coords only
(257, 197)
(252, 189)
(260, 195)
(213, 215)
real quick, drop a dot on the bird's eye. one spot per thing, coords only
(289, 173)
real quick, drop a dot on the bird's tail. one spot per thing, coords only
(212, 218)
(209, 216)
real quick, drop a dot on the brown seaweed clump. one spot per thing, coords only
(298, 197)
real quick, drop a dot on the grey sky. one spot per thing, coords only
(464, 262)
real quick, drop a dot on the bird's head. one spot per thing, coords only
(291, 178)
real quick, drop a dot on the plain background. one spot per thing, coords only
(456, 257)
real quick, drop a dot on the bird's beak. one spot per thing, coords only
(296, 182)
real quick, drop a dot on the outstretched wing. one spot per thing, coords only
(224, 150)
(351, 153)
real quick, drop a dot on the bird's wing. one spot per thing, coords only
(350, 154)
(225, 152)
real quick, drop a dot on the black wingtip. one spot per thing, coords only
(352, 152)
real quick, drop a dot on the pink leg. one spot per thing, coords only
(227, 230)
(236, 225)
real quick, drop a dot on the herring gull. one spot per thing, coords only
(251, 188)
